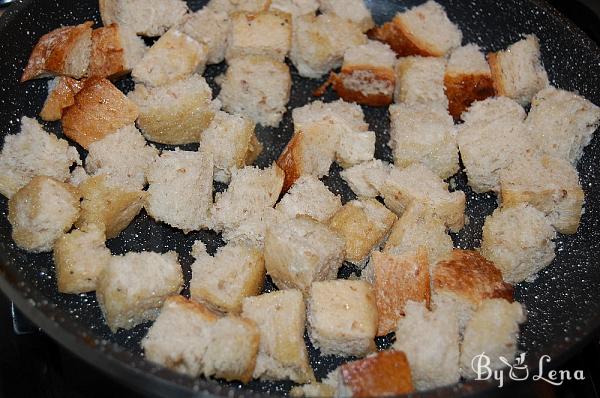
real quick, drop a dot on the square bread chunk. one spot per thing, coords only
(296, 8)
(211, 28)
(301, 250)
(180, 189)
(230, 6)
(252, 229)
(366, 179)
(493, 330)
(309, 196)
(61, 95)
(430, 340)
(258, 87)
(145, 17)
(115, 51)
(33, 152)
(267, 34)
(425, 134)
(517, 72)
(41, 211)
(342, 317)
(364, 225)
(132, 287)
(79, 257)
(356, 148)
(519, 240)
(421, 80)
(280, 317)
(352, 10)
(422, 30)
(339, 114)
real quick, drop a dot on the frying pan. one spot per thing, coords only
(563, 303)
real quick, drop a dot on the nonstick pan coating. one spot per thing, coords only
(563, 303)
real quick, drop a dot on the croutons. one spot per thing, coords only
(251, 230)
(41, 211)
(230, 6)
(61, 94)
(353, 10)
(342, 317)
(295, 8)
(144, 17)
(267, 34)
(211, 28)
(366, 179)
(309, 196)
(115, 51)
(421, 80)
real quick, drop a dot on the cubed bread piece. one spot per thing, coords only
(319, 43)
(338, 114)
(252, 229)
(115, 51)
(79, 257)
(463, 281)
(355, 148)
(342, 317)
(123, 157)
(223, 281)
(309, 196)
(145, 17)
(467, 79)
(549, 184)
(517, 72)
(232, 142)
(61, 94)
(519, 240)
(562, 123)
(108, 206)
(422, 30)
(322, 390)
(63, 51)
(230, 6)
(425, 134)
(353, 10)
(295, 8)
(418, 184)
(33, 152)
(397, 279)
(421, 80)
(78, 176)
(366, 179)
(493, 330)
(364, 225)
(99, 109)
(41, 211)
(211, 28)
(280, 317)
(430, 340)
(266, 34)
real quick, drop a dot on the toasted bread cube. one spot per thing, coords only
(211, 28)
(223, 281)
(353, 10)
(562, 123)
(364, 225)
(41, 211)
(61, 95)
(517, 72)
(309, 196)
(63, 51)
(295, 8)
(33, 152)
(319, 43)
(112, 208)
(99, 110)
(301, 250)
(280, 317)
(493, 330)
(79, 258)
(145, 17)
(366, 179)
(422, 30)
(519, 240)
(115, 51)
(267, 34)
(463, 280)
(425, 134)
(421, 80)
(467, 79)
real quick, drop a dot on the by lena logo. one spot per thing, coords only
(519, 371)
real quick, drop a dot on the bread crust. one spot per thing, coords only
(400, 39)
(62, 96)
(496, 73)
(350, 95)
(464, 89)
(290, 160)
(108, 56)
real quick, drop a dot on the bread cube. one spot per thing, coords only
(258, 87)
(79, 257)
(251, 231)
(356, 148)
(366, 179)
(421, 80)
(519, 240)
(425, 134)
(301, 250)
(115, 51)
(63, 51)
(339, 114)
(352, 10)
(493, 330)
(245, 5)
(33, 152)
(78, 176)
(267, 34)
(295, 8)
(323, 390)
(211, 28)
(309, 196)
(61, 94)
(422, 30)
(145, 17)
(364, 225)
(517, 72)
(342, 317)
(280, 317)
(41, 211)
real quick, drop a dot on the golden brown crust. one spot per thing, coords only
(400, 39)
(464, 89)
(61, 97)
(254, 149)
(376, 74)
(496, 69)
(108, 56)
(290, 161)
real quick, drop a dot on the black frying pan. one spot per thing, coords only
(563, 303)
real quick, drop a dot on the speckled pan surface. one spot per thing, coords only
(563, 303)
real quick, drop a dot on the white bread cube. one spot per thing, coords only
(61, 95)
(280, 317)
(79, 258)
(421, 80)
(230, 6)
(266, 34)
(493, 330)
(252, 229)
(320, 389)
(562, 123)
(355, 148)
(115, 51)
(295, 8)
(41, 211)
(144, 17)
(342, 317)
(258, 87)
(430, 340)
(353, 10)
(425, 134)
(180, 189)
(338, 113)
(364, 225)
(517, 72)
(211, 28)
(366, 179)
(309, 196)
(131, 288)
(33, 152)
